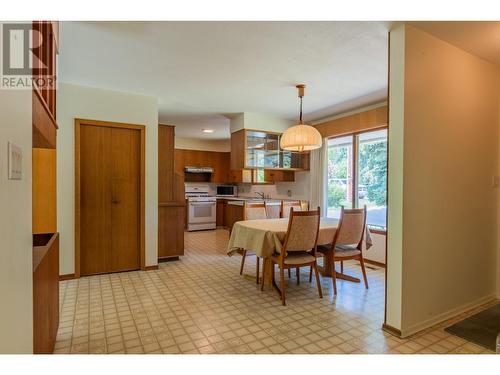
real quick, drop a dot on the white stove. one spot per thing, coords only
(202, 207)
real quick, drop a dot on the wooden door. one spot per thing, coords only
(110, 199)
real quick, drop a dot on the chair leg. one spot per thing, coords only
(264, 261)
(297, 272)
(334, 278)
(243, 256)
(361, 261)
(258, 266)
(341, 266)
(289, 273)
(318, 282)
(310, 273)
(282, 286)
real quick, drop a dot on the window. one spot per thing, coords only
(357, 175)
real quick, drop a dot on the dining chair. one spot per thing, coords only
(299, 248)
(286, 207)
(347, 241)
(252, 211)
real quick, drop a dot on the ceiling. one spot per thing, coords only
(205, 72)
(478, 38)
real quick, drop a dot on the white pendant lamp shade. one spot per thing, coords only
(301, 137)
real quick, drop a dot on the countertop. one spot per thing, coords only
(239, 201)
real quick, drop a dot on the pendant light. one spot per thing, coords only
(301, 137)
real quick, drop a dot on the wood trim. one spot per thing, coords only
(168, 259)
(68, 276)
(389, 329)
(78, 123)
(378, 231)
(36, 90)
(387, 186)
(367, 120)
(151, 268)
(142, 192)
(77, 198)
(172, 204)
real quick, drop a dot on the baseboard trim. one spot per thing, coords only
(446, 315)
(390, 329)
(69, 276)
(151, 268)
(168, 259)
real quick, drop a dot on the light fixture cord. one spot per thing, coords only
(300, 122)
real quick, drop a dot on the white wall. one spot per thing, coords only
(395, 178)
(219, 145)
(298, 189)
(16, 249)
(259, 121)
(75, 101)
(446, 125)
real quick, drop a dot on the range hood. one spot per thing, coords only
(198, 170)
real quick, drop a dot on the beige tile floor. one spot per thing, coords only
(201, 304)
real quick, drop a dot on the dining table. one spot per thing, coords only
(265, 237)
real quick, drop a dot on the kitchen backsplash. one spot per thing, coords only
(282, 190)
(299, 189)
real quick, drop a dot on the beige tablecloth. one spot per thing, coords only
(265, 237)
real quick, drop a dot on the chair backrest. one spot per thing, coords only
(287, 205)
(254, 211)
(302, 233)
(351, 228)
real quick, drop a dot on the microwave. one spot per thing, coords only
(227, 190)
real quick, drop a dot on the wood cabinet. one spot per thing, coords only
(241, 175)
(251, 149)
(220, 212)
(45, 35)
(44, 191)
(45, 292)
(277, 175)
(219, 161)
(232, 214)
(171, 200)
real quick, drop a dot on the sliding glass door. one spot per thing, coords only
(357, 175)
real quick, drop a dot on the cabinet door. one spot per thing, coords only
(271, 175)
(220, 212)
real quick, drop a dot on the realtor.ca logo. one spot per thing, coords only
(23, 63)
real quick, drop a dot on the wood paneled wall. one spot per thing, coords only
(371, 119)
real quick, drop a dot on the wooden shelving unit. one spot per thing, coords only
(44, 191)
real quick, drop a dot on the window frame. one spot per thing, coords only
(355, 166)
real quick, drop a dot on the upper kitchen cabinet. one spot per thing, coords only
(251, 149)
(218, 161)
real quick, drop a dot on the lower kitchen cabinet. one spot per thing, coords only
(220, 212)
(171, 219)
(232, 214)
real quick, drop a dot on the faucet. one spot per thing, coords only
(261, 194)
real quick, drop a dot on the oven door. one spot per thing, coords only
(202, 212)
